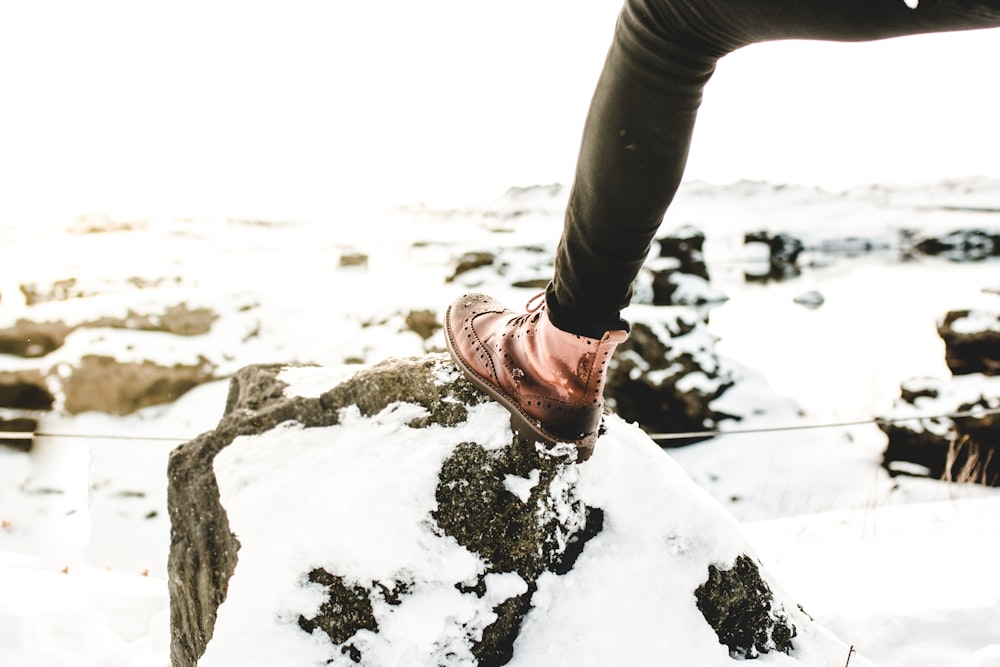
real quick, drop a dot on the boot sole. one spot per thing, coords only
(523, 425)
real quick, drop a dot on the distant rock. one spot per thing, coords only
(17, 425)
(529, 267)
(394, 519)
(25, 390)
(65, 289)
(811, 299)
(31, 339)
(686, 245)
(105, 384)
(677, 275)
(783, 252)
(972, 341)
(920, 433)
(923, 441)
(963, 245)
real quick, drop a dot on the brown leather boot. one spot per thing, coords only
(551, 381)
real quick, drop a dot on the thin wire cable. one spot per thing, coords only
(974, 412)
(28, 435)
(984, 412)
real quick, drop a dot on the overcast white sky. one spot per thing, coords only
(300, 109)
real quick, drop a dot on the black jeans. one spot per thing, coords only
(639, 126)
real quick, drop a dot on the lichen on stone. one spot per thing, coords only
(740, 607)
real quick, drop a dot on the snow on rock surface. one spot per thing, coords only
(394, 520)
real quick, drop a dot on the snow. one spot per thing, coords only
(182, 164)
(379, 488)
(977, 322)
(806, 499)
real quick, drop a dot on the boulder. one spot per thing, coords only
(33, 339)
(677, 275)
(30, 339)
(686, 246)
(388, 516)
(527, 267)
(924, 441)
(666, 375)
(963, 245)
(17, 424)
(972, 341)
(104, 384)
(783, 252)
(25, 390)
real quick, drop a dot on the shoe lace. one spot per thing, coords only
(534, 305)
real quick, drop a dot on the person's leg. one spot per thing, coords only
(548, 366)
(638, 130)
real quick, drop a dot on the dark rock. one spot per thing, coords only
(348, 609)
(358, 259)
(952, 448)
(783, 256)
(25, 390)
(424, 323)
(104, 384)
(470, 261)
(677, 275)
(740, 607)
(33, 339)
(178, 319)
(528, 267)
(685, 245)
(666, 375)
(963, 245)
(972, 341)
(36, 339)
(17, 425)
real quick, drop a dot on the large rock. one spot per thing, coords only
(963, 245)
(923, 440)
(677, 275)
(666, 375)
(389, 517)
(104, 384)
(972, 341)
(97, 382)
(924, 435)
(782, 252)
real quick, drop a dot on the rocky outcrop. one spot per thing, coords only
(96, 382)
(528, 267)
(15, 427)
(677, 274)
(394, 519)
(972, 341)
(782, 256)
(105, 384)
(922, 438)
(924, 441)
(666, 375)
(963, 245)
(36, 339)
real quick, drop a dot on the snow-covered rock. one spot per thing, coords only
(667, 374)
(387, 516)
(924, 440)
(972, 341)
